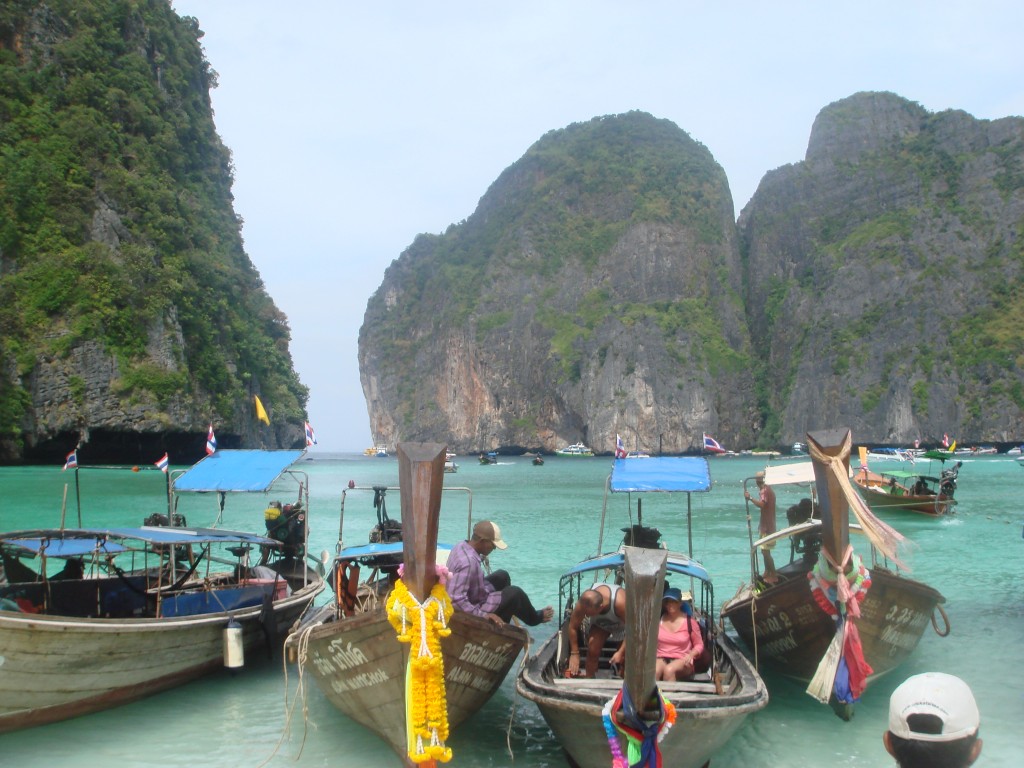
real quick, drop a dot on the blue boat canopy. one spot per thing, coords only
(64, 547)
(677, 563)
(80, 541)
(375, 550)
(236, 471)
(664, 474)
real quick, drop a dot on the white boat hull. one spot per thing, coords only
(53, 668)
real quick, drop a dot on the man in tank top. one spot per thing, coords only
(605, 606)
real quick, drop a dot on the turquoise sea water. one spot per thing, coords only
(549, 516)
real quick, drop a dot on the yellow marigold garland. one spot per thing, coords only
(422, 625)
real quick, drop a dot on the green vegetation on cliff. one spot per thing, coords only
(116, 220)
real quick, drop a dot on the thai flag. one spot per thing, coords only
(71, 461)
(945, 440)
(710, 444)
(310, 436)
(211, 441)
(620, 449)
(162, 463)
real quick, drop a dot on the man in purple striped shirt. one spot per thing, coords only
(492, 597)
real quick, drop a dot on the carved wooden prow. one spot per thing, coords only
(421, 478)
(835, 509)
(645, 585)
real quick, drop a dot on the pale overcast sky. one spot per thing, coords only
(356, 126)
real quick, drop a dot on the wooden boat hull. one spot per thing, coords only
(705, 720)
(784, 627)
(934, 505)
(53, 668)
(359, 665)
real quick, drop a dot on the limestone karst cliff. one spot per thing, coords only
(884, 275)
(130, 315)
(595, 291)
(601, 287)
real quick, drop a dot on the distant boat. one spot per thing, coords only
(891, 454)
(489, 458)
(909, 491)
(799, 449)
(1015, 451)
(576, 449)
(376, 450)
(538, 460)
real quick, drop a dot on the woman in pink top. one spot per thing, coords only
(679, 640)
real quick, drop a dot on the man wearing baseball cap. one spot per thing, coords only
(933, 723)
(492, 597)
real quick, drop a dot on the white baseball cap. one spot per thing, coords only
(934, 693)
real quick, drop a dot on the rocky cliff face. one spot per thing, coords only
(130, 315)
(884, 273)
(594, 292)
(602, 288)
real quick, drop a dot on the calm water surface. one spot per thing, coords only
(549, 516)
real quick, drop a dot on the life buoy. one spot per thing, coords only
(346, 584)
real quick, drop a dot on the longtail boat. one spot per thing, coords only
(350, 646)
(910, 490)
(599, 718)
(799, 625)
(94, 617)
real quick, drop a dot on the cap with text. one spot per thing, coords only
(934, 693)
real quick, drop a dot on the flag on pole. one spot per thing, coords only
(261, 412)
(71, 461)
(211, 441)
(310, 435)
(162, 463)
(945, 440)
(620, 449)
(710, 444)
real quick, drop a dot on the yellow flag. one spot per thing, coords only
(952, 447)
(261, 412)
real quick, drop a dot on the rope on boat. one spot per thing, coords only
(302, 648)
(753, 626)
(512, 712)
(945, 619)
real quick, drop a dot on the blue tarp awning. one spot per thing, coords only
(235, 471)
(667, 474)
(676, 562)
(65, 547)
(79, 541)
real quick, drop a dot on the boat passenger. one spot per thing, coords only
(605, 606)
(73, 569)
(766, 503)
(933, 721)
(679, 639)
(493, 597)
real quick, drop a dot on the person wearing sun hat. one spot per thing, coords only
(679, 640)
(765, 502)
(933, 723)
(494, 596)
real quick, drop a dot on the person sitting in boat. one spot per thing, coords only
(921, 487)
(766, 503)
(933, 721)
(492, 597)
(605, 606)
(72, 570)
(680, 643)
